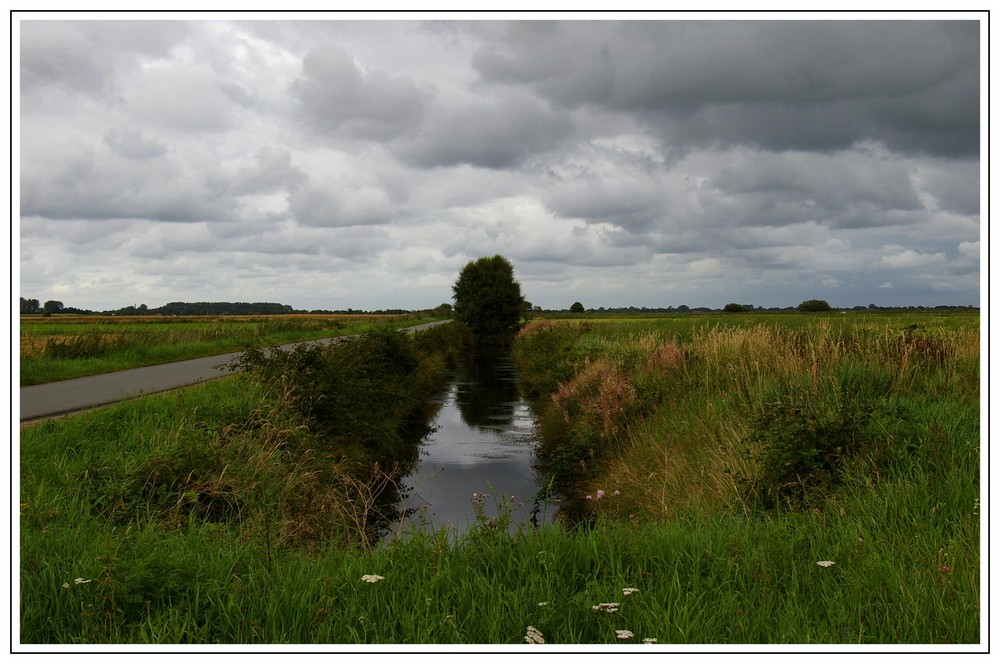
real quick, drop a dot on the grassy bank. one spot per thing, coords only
(62, 347)
(247, 510)
(697, 581)
(726, 401)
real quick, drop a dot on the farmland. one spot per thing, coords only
(62, 347)
(727, 479)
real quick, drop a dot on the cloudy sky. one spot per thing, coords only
(343, 163)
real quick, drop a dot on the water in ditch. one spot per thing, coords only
(481, 441)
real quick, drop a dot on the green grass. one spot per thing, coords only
(61, 348)
(699, 581)
(211, 516)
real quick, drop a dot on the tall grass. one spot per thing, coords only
(701, 399)
(696, 581)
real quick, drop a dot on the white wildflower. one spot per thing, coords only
(649, 640)
(623, 634)
(66, 585)
(533, 636)
(629, 591)
(607, 607)
(543, 604)
(826, 563)
(372, 578)
(81, 581)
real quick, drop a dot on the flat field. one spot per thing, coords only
(61, 347)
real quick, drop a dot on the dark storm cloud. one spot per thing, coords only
(133, 144)
(339, 204)
(782, 85)
(627, 202)
(78, 180)
(337, 96)
(826, 183)
(90, 57)
(498, 134)
(271, 171)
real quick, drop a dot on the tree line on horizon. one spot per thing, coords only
(32, 306)
(29, 306)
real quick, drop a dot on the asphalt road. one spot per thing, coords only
(67, 396)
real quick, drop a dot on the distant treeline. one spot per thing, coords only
(31, 306)
(683, 309)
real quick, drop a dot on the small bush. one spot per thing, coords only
(804, 441)
(358, 391)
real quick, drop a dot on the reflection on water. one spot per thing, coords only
(482, 436)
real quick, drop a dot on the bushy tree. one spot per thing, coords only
(488, 299)
(814, 305)
(52, 307)
(576, 308)
(29, 306)
(734, 308)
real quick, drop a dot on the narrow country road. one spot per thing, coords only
(67, 396)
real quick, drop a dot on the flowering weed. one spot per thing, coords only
(533, 636)
(606, 607)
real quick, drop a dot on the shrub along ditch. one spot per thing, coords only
(362, 403)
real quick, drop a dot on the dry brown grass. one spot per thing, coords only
(111, 320)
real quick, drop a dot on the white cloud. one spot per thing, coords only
(911, 259)
(969, 250)
(705, 267)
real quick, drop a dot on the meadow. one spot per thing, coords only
(61, 347)
(740, 479)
